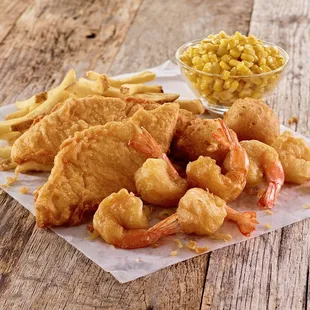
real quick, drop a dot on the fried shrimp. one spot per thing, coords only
(252, 119)
(198, 139)
(120, 221)
(294, 155)
(157, 181)
(264, 164)
(205, 173)
(202, 213)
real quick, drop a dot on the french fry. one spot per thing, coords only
(84, 87)
(142, 77)
(10, 135)
(132, 89)
(54, 96)
(195, 106)
(18, 113)
(36, 99)
(114, 92)
(5, 152)
(158, 97)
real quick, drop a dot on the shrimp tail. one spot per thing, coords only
(268, 199)
(144, 143)
(168, 226)
(275, 175)
(245, 221)
(140, 238)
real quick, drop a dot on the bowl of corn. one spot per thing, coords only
(222, 68)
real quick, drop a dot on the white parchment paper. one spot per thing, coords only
(123, 264)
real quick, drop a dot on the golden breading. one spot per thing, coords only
(198, 139)
(252, 119)
(97, 162)
(41, 142)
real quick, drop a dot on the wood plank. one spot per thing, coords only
(51, 274)
(275, 277)
(10, 11)
(15, 232)
(161, 28)
(54, 36)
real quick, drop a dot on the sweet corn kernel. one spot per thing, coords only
(235, 52)
(225, 66)
(247, 57)
(227, 84)
(226, 58)
(218, 85)
(234, 62)
(234, 86)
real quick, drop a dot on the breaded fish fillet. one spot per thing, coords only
(97, 162)
(40, 144)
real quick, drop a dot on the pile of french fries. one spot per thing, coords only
(39, 105)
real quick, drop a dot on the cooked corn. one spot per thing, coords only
(230, 57)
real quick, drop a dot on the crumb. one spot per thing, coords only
(192, 245)
(173, 253)
(221, 236)
(293, 120)
(147, 211)
(269, 212)
(24, 190)
(112, 246)
(165, 213)
(180, 245)
(268, 226)
(155, 245)
(307, 207)
(11, 180)
(4, 186)
(137, 260)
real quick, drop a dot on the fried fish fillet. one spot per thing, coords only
(39, 145)
(97, 162)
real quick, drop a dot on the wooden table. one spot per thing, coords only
(39, 41)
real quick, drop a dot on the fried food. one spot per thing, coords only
(83, 87)
(5, 152)
(54, 96)
(205, 173)
(120, 220)
(42, 141)
(252, 119)
(202, 213)
(97, 162)
(198, 140)
(157, 181)
(195, 106)
(264, 164)
(294, 155)
(142, 77)
(158, 97)
(132, 89)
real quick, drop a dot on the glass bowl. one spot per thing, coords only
(209, 87)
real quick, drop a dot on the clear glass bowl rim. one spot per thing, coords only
(194, 42)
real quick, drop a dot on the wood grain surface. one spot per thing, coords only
(39, 42)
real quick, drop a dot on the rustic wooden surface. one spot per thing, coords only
(39, 41)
